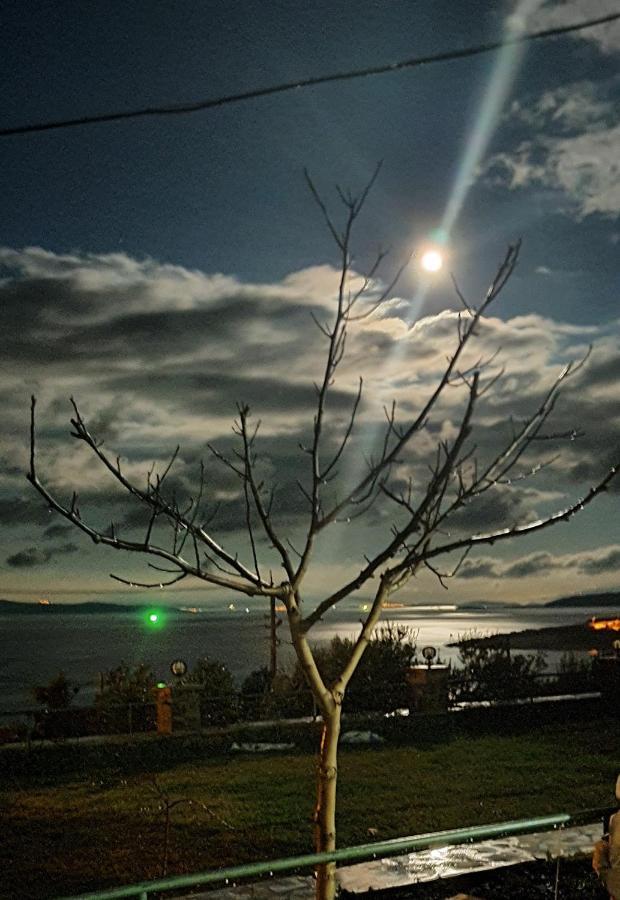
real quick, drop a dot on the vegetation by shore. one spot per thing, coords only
(71, 825)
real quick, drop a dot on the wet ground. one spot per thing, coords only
(521, 867)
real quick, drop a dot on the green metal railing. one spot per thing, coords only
(376, 850)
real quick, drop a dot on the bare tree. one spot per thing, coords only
(418, 538)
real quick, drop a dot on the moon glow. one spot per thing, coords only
(431, 261)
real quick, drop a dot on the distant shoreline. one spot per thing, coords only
(560, 637)
(603, 602)
(12, 607)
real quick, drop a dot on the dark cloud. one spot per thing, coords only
(218, 392)
(115, 315)
(57, 530)
(20, 511)
(535, 564)
(279, 462)
(497, 508)
(8, 468)
(595, 462)
(596, 565)
(524, 567)
(107, 420)
(543, 563)
(35, 556)
(65, 548)
(26, 559)
(479, 568)
(601, 371)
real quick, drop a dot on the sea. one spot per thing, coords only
(35, 647)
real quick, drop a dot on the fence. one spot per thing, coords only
(359, 853)
(30, 724)
(535, 685)
(140, 717)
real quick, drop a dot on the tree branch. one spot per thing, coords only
(520, 530)
(400, 536)
(244, 586)
(498, 283)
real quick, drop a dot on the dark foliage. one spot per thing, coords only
(494, 673)
(219, 702)
(574, 675)
(124, 685)
(255, 695)
(379, 683)
(57, 694)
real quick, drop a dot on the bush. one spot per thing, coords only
(290, 697)
(379, 683)
(494, 673)
(13, 732)
(219, 702)
(124, 685)
(574, 675)
(254, 694)
(55, 721)
(124, 702)
(57, 694)
(285, 696)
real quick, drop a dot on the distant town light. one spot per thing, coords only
(604, 624)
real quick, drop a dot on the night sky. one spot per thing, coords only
(161, 270)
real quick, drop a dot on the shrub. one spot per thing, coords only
(55, 721)
(13, 732)
(57, 694)
(255, 694)
(219, 702)
(379, 683)
(574, 674)
(124, 702)
(124, 685)
(494, 673)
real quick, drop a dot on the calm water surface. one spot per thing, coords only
(34, 648)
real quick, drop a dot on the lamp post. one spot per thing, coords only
(429, 654)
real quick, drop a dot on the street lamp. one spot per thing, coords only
(429, 654)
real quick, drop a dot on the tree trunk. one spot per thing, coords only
(325, 811)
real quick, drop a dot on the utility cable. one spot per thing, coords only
(415, 62)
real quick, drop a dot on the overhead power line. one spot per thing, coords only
(212, 103)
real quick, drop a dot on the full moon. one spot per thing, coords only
(432, 261)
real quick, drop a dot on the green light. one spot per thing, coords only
(154, 618)
(161, 684)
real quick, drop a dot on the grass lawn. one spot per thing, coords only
(103, 828)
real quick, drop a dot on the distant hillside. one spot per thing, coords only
(88, 608)
(561, 637)
(611, 598)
